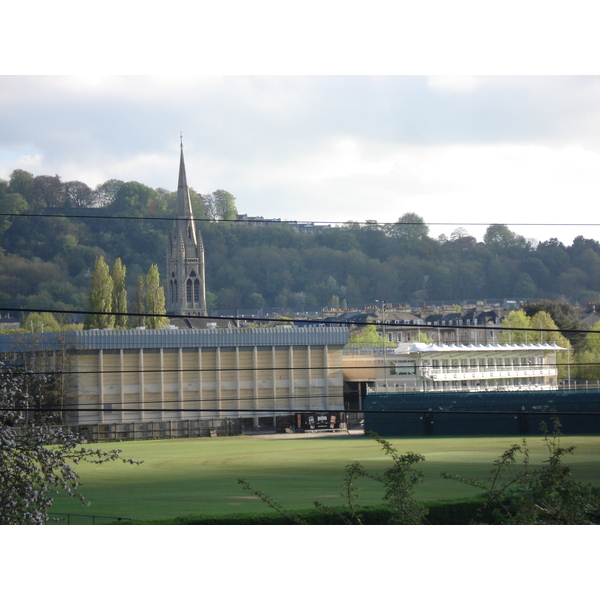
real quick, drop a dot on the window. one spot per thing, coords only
(404, 368)
(193, 289)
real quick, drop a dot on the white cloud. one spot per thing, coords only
(452, 83)
(324, 148)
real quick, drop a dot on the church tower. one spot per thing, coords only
(186, 292)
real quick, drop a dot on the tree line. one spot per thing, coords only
(47, 261)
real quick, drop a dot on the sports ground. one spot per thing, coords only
(200, 475)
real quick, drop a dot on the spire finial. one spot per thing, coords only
(181, 139)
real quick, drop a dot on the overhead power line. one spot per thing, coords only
(313, 410)
(279, 321)
(271, 369)
(294, 222)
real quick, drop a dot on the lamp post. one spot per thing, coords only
(384, 344)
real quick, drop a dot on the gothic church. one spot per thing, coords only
(186, 292)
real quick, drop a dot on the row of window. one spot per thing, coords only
(192, 287)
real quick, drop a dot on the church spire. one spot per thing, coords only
(185, 256)
(184, 204)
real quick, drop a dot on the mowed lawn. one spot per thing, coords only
(200, 475)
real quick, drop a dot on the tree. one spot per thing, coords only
(524, 286)
(458, 233)
(10, 203)
(119, 295)
(48, 191)
(367, 337)
(516, 325)
(563, 314)
(40, 322)
(36, 458)
(410, 226)
(225, 205)
(100, 299)
(78, 194)
(499, 237)
(423, 338)
(220, 205)
(21, 182)
(155, 300)
(588, 358)
(542, 322)
(139, 303)
(106, 193)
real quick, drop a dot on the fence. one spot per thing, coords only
(153, 430)
(76, 519)
(468, 413)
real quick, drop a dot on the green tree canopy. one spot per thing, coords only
(515, 324)
(367, 336)
(119, 296)
(101, 297)
(155, 300)
(139, 303)
(41, 322)
(410, 226)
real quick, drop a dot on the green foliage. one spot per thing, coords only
(100, 300)
(516, 325)
(398, 483)
(536, 496)
(139, 303)
(366, 337)
(500, 237)
(119, 295)
(155, 300)
(41, 322)
(588, 359)
(37, 459)
(409, 227)
(423, 338)
(440, 512)
(519, 495)
(522, 329)
(355, 264)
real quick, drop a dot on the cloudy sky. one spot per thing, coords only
(458, 150)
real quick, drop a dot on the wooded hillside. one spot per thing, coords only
(46, 261)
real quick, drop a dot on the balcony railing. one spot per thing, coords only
(487, 372)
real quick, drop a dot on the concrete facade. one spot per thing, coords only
(170, 374)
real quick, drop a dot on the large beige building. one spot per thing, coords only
(134, 376)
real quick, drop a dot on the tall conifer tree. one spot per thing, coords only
(155, 300)
(101, 297)
(139, 303)
(119, 295)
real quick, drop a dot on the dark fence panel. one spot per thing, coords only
(521, 413)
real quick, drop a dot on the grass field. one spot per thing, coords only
(199, 475)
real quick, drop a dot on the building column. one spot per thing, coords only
(141, 378)
(326, 375)
(255, 379)
(101, 385)
(122, 385)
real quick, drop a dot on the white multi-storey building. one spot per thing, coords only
(461, 368)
